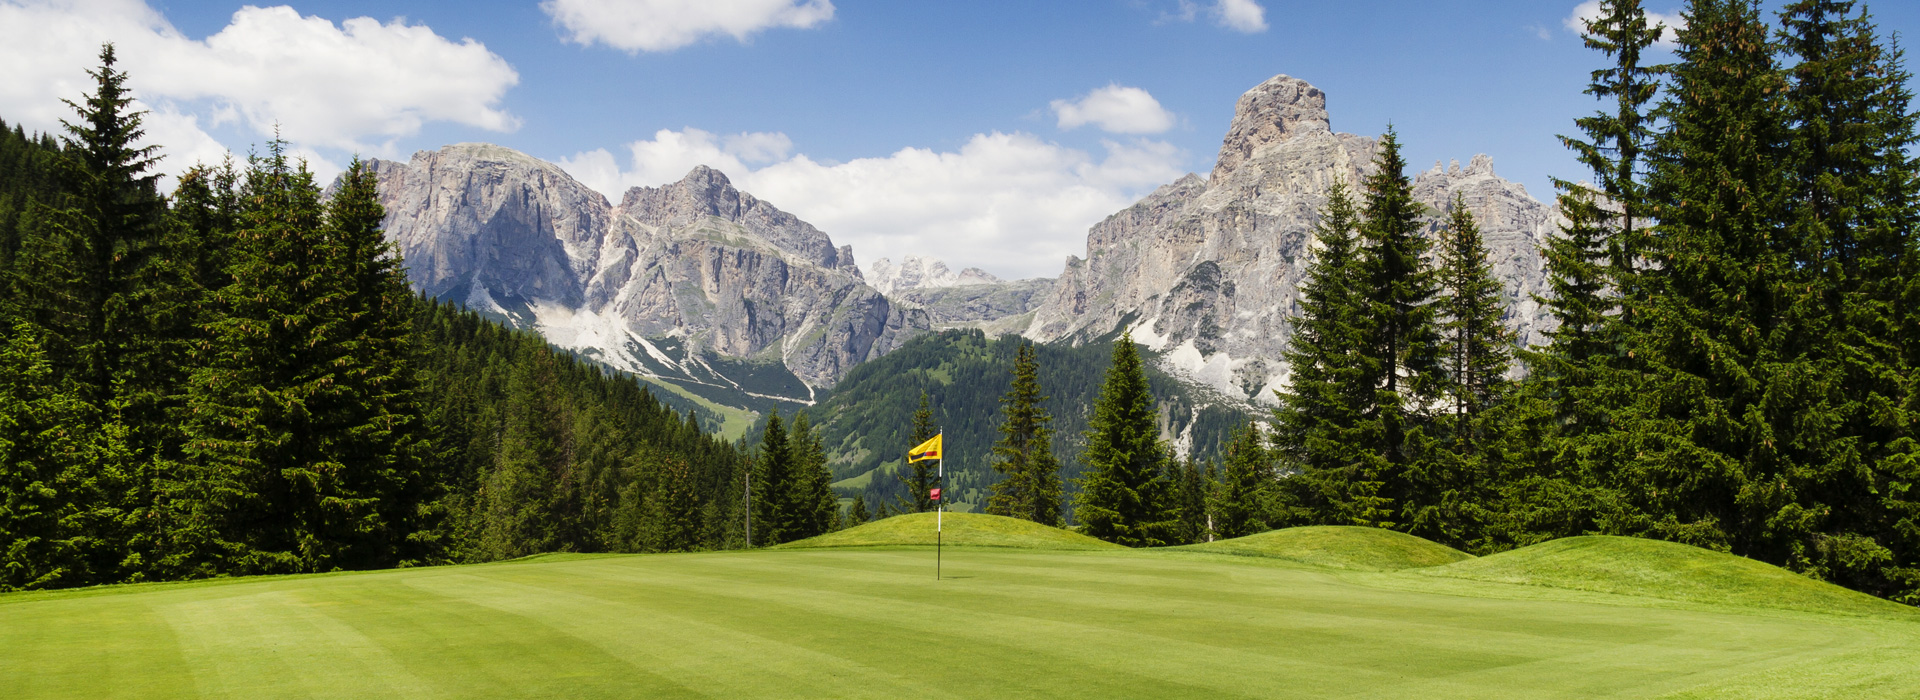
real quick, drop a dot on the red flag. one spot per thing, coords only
(934, 494)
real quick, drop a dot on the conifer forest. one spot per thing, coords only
(236, 378)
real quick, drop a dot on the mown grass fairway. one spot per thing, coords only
(870, 622)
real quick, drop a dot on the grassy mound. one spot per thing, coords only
(963, 529)
(1339, 547)
(1667, 570)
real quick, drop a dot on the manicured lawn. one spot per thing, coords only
(872, 622)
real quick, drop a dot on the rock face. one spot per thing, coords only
(985, 306)
(1208, 270)
(668, 277)
(916, 272)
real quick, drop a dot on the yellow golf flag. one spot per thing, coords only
(927, 450)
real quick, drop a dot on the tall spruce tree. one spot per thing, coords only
(1327, 396)
(373, 422)
(1727, 410)
(1563, 485)
(773, 484)
(1125, 495)
(811, 504)
(1029, 486)
(1478, 348)
(1400, 341)
(1855, 213)
(921, 477)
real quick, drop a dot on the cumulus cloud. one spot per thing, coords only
(1244, 16)
(664, 25)
(670, 154)
(1012, 204)
(1590, 10)
(353, 86)
(1115, 109)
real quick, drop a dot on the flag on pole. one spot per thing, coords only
(926, 450)
(934, 494)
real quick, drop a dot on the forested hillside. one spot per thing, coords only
(865, 422)
(236, 379)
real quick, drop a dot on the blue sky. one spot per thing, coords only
(898, 127)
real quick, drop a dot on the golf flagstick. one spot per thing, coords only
(939, 506)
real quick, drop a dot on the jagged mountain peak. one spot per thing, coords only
(1208, 271)
(1279, 109)
(675, 282)
(706, 192)
(920, 272)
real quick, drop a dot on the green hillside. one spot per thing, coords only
(1656, 569)
(1339, 547)
(865, 421)
(872, 622)
(960, 529)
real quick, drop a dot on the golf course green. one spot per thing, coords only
(1022, 611)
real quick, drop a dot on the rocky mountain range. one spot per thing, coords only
(694, 282)
(729, 300)
(918, 272)
(1207, 270)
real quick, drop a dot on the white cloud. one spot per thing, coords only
(1244, 16)
(1590, 10)
(664, 25)
(353, 86)
(1012, 204)
(1115, 109)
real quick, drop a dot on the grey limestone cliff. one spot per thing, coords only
(669, 277)
(1208, 270)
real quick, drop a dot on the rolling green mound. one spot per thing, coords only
(963, 529)
(1339, 547)
(1667, 570)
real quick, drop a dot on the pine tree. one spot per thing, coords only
(1401, 344)
(373, 422)
(1239, 509)
(1576, 385)
(1854, 211)
(1327, 394)
(1616, 142)
(523, 495)
(63, 470)
(1479, 348)
(1726, 409)
(1029, 486)
(112, 227)
(811, 503)
(920, 477)
(773, 484)
(1192, 500)
(1125, 494)
(298, 405)
(857, 513)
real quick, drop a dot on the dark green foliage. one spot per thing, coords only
(773, 483)
(1478, 347)
(1029, 486)
(1239, 504)
(629, 469)
(1191, 492)
(1327, 397)
(1125, 495)
(857, 513)
(811, 505)
(923, 476)
(64, 469)
(245, 384)
(964, 373)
